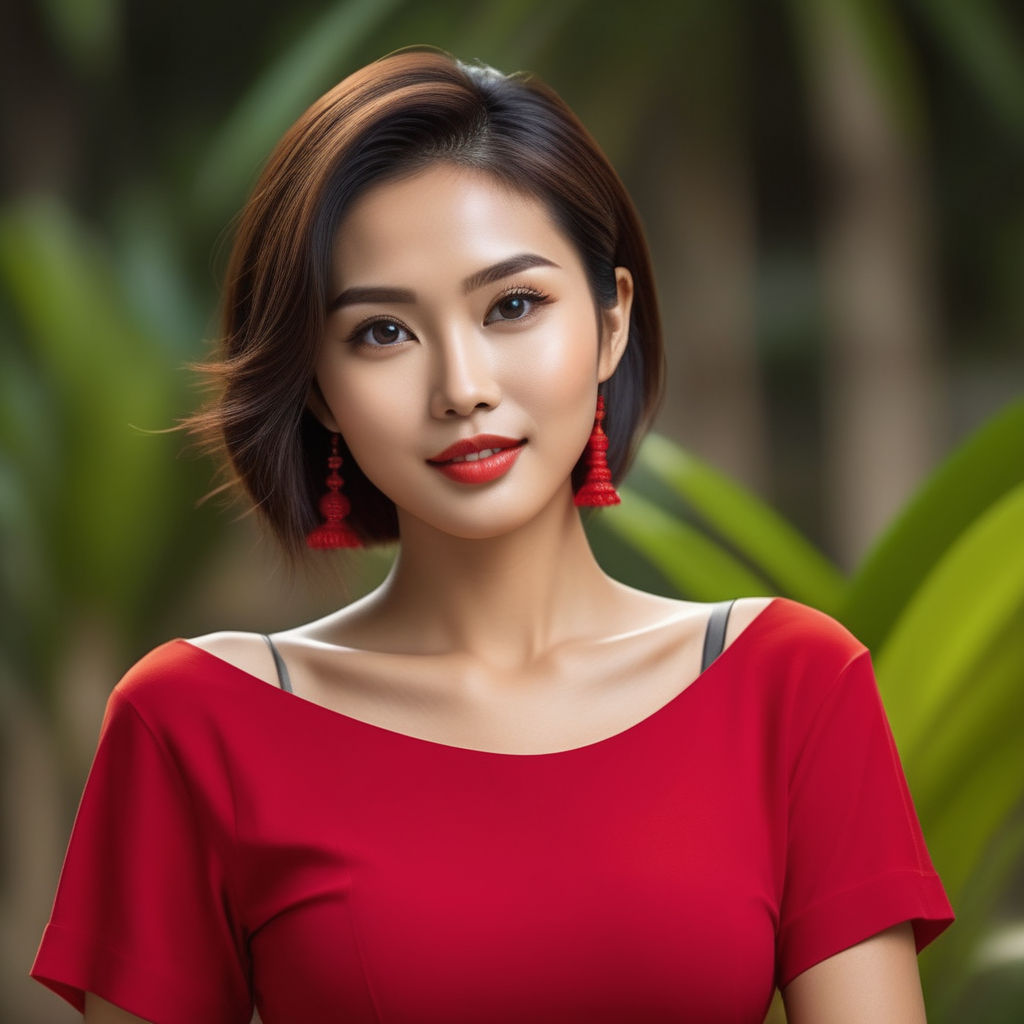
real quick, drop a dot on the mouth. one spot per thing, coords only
(476, 456)
(472, 449)
(479, 459)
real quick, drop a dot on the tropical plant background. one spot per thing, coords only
(832, 193)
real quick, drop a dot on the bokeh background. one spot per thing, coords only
(834, 200)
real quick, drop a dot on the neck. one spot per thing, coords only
(506, 599)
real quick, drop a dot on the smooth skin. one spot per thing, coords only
(458, 308)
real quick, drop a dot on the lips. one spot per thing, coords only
(477, 460)
(475, 445)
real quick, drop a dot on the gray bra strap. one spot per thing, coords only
(714, 637)
(714, 641)
(282, 669)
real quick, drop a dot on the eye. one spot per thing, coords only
(380, 334)
(518, 304)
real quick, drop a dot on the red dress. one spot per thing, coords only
(237, 845)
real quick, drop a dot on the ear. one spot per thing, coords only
(615, 326)
(317, 405)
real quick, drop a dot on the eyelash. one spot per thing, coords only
(534, 295)
(356, 337)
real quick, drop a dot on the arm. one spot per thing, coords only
(875, 981)
(143, 913)
(99, 1011)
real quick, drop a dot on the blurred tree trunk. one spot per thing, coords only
(714, 404)
(47, 761)
(41, 109)
(881, 387)
(34, 832)
(704, 243)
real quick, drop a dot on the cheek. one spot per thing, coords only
(368, 412)
(559, 370)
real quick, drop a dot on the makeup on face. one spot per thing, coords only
(479, 459)
(461, 356)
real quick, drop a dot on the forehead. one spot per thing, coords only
(443, 221)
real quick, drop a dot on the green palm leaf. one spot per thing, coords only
(692, 562)
(958, 612)
(775, 549)
(978, 473)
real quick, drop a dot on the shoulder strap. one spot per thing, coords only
(714, 636)
(282, 669)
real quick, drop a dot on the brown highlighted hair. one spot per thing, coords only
(385, 121)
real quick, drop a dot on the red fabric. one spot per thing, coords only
(236, 843)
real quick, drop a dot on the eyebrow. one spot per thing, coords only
(495, 272)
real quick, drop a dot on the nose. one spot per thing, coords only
(464, 379)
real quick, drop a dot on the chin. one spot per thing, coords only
(477, 528)
(501, 518)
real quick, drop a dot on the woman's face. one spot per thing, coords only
(459, 309)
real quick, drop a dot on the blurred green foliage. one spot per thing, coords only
(948, 652)
(132, 135)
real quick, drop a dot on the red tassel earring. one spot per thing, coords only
(597, 489)
(334, 532)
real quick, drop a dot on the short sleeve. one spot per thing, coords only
(142, 915)
(856, 860)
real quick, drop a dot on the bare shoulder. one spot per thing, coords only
(657, 611)
(247, 651)
(743, 613)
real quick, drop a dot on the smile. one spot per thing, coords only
(482, 466)
(473, 456)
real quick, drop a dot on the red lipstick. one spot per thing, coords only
(502, 452)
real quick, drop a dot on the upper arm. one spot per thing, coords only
(875, 981)
(146, 912)
(99, 1011)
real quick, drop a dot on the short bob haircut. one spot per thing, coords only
(386, 121)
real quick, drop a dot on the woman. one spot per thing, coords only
(502, 786)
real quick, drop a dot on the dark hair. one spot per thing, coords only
(384, 121)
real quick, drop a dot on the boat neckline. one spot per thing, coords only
(744, 638)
